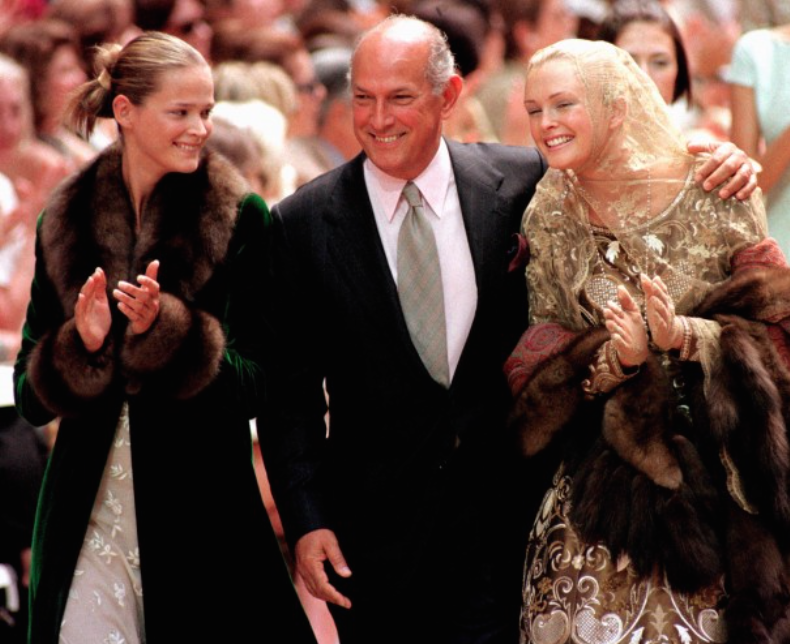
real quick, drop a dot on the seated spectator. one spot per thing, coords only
(96, 22)
(30, 170)
(185, 19)
(529, 25)
(49, 52)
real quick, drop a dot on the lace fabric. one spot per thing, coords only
(638, 211)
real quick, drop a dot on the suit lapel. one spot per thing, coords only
(355, 251)
(357, 257)
(486, 225)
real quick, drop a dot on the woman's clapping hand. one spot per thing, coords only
(140, 303)
(666, 329)
(624, 322)
(92, 311)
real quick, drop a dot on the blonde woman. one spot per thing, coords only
(654, 376)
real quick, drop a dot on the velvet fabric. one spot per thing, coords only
(210, 563)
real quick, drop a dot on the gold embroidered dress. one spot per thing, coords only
(574, 589)
(644, 214)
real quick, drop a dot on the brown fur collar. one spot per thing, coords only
(755, 294)
(553, 394)
(187, 225)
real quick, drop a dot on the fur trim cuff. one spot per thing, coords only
(180, 354)
(65, 375)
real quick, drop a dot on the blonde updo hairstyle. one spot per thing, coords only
(133, 71)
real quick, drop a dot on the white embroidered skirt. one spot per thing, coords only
(105, 604)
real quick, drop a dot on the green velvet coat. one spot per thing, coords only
(211, 566)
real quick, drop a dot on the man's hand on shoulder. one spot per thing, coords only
(728, 165)
(312, 550)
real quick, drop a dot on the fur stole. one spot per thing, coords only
(692, 477)
(187, 225)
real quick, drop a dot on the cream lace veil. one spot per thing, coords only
(640, 172)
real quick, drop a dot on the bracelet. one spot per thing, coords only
(606, 372)
(685, 350)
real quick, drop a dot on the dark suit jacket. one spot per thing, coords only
(405, 459)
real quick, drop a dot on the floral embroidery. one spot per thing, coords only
(577, 592)
(114, 638)
(120, 592)
(133, 557)
(107, 574)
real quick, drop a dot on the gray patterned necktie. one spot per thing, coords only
(420, 287)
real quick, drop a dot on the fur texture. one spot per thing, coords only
(652, 485)
(187, 225)
(553, 395)
(637, 426)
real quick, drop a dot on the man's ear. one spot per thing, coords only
(619, 112)
(450, 95)
(122, 108)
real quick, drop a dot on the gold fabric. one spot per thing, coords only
(575, 267)
(575, 592)
(639, 212)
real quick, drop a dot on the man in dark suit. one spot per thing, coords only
(409, 514)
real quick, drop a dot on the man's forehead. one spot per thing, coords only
(391, 52)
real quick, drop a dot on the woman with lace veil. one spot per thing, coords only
(655, 370)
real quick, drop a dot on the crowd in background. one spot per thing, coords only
(283, 111)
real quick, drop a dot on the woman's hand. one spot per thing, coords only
(666, 328)
(629, 336)
(92, 311)
(140, 303)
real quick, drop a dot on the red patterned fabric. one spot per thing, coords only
(766, 253)
(545, 340)
(779, 336)
(538, 343)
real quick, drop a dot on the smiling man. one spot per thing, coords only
(408, 514)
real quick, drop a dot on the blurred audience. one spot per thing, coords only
(529, 25)
(96, 22)
(334, 119)
(49, 51)
(646, 31)
(239, 147)
(333, 141)
(30, 170)
(709, 29)
(185, 19)
(760, 94)
(468, 27)
(758, 14)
